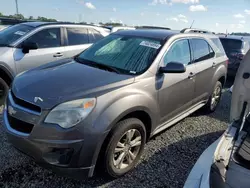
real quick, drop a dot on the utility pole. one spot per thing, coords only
(17, 7)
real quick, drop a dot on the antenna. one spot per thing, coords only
(17, 7)
(192, 24)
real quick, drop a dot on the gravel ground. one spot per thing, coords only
(167, 160)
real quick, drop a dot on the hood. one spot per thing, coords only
(241, 88)
(66, 80)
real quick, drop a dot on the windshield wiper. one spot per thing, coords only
(98, 65)
(4, 45)
(107, 67)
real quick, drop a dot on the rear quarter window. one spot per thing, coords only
(218, 44)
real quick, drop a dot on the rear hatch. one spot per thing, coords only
(233, 49)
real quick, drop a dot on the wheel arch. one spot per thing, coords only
(6, 75)
(140, 113)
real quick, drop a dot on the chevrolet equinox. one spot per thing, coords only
(103, 105)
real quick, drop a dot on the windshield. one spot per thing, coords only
(231, 44)
(13, 33)
(126, 53)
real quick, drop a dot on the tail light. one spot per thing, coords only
(227, 61)
(237, 55)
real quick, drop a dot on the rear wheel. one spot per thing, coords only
(125, 147)
(3, 93)
(214, 99)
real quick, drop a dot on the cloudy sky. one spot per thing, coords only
(216, 15)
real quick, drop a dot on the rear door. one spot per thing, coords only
(205, 62)
(176, 91)
(94, 35)
(76, 40)
(49, 41)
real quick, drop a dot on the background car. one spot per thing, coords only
(235, 47)
(2, 27)
(113, 29)
(31, 44)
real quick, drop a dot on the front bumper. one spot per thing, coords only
(61, 156)
(72, 152)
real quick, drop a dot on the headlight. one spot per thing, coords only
(70, 113)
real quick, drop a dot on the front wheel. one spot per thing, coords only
(214, 99)
(3, 93)
(125, 147)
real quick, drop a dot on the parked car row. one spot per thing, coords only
(99, 108)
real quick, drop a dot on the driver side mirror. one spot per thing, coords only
(27, 46)
(173, 67)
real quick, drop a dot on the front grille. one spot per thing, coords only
(20, 125)
(25, 104)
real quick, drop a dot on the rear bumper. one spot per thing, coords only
(61, 156)
(232, 69)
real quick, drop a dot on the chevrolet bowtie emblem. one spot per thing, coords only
(11, 110)
(38, 99)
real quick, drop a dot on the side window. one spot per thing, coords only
(217, 42)
(94, 36)
(178, 52)
(47, 38)
(77, 36)
(211, 51)
(202, 50)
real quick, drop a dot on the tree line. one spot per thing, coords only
(21, 17)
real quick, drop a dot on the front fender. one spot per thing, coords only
(123, 106)
(117, 110)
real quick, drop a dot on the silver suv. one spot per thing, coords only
(28, 45)
(110, 99)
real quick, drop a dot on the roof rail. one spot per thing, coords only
(152, 27)
(192, 30)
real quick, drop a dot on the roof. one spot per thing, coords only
(152, 27)
(159, 34)
(35, 24)
(38, 24)
(232, 37)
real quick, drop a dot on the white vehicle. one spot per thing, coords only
(118, 28)
(2, 27)
(226, 163)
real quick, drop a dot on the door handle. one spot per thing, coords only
(214, 65)
(59, 54)
(191, 75)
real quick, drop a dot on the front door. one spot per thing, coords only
(49, 49)
(176, 90)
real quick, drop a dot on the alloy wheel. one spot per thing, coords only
(127, 149)
(216, 97)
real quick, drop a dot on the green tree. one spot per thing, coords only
(19, 16)
(1, 14)
(31, 18)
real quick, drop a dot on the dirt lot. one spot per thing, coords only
(167, 160)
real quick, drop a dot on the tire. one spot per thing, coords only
(120, 134)
(4, 88)
(213, 102)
